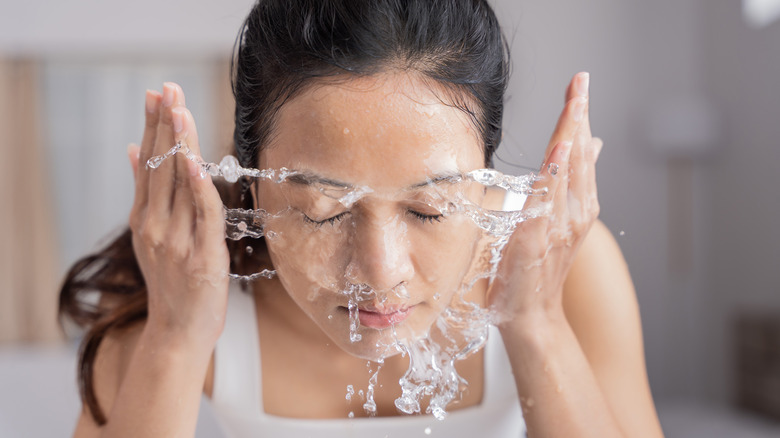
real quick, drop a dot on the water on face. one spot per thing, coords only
(459, 331)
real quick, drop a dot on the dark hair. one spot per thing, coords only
(283, 47)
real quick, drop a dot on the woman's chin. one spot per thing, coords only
(377, 345)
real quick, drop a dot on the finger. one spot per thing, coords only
(578, 164)
(209, 215)
(162, 179)
(573, 112)
(592, 156)
(553, 175)
(559, 220)
(183, 214)
(578, 86)
(582, 87)
(141, 173)
(568, 123)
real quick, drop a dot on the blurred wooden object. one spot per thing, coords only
(29, 269)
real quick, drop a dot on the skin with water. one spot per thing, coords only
(459, 331)
(360, 253)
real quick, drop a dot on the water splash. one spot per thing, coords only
(370, 405)
(229, 168)
(458, 333)
(265, 273)
(518, 184)
(461, 329)
(354, 320)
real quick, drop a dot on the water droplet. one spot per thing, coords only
(350, 392)
(229, 168)
(330, 317)
(249, 250)
(622, 233)
(154, 162)
(553, 169)
(436, 296)
(346, 131)
(351, 414)
(265, 273)
(354, 318)
(427, 431)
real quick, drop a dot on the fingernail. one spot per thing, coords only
(583, 83)
(168, 89)
(151, 106)
(178, 119)
(579, 109)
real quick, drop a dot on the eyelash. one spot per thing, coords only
(424, 218)
(330, 220)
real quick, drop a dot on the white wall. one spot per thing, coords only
(639, 54)
(96, 27)
(743, 263)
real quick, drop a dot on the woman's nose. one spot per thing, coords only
(381, 255)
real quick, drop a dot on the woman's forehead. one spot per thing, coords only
(376, 130)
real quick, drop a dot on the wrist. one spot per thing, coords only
(539, 327)
(190, 346)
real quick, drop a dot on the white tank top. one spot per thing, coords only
(238, 403)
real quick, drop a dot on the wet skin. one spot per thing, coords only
(390, 133)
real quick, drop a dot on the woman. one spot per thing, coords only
(393, 96)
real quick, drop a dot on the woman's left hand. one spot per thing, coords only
(537, 258)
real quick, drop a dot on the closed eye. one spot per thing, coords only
(429, 218)
(330, 220)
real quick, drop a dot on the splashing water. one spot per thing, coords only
(459, 331)
(370, 405)
(350, 392)
(354, 321)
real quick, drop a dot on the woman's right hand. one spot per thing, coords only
(178, 228)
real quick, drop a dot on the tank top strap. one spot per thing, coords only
(513, 201)
(237, 381)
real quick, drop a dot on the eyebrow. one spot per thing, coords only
(309, 178)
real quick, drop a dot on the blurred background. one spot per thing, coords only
(685, 94)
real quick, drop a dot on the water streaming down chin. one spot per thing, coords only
(460, 330)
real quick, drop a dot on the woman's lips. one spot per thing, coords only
(382, 320)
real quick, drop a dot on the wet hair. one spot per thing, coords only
(285, 46)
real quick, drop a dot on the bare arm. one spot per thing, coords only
(583, 373)
(154, 389)
(571, 324)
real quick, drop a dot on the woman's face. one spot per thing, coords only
(389, 142)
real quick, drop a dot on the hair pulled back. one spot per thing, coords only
(283, 47)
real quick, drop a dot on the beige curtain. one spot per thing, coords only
(29, 269)
(224, 108)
